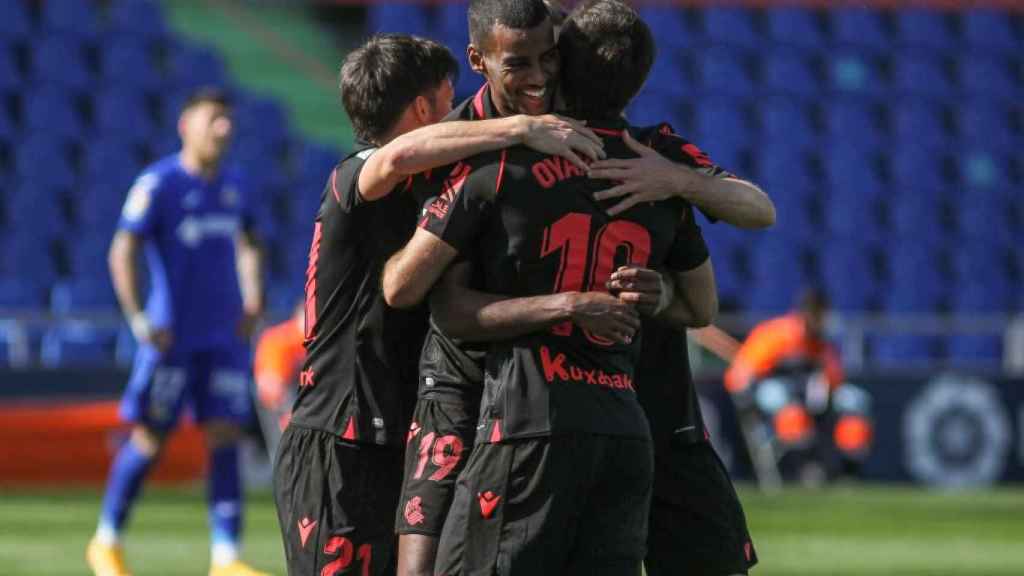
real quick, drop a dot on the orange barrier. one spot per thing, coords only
(74, 443)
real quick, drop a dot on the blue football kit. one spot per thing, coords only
(188, 227)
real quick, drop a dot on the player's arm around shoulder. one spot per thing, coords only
(444, 143)
(456, 206)
(675, 168)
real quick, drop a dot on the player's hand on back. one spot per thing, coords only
(562, 136)
(604, 316)
(648, 290)
(649, 178)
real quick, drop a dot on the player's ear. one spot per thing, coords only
(421, 108)
(476, 59)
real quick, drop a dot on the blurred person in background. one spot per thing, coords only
(793, 378)
(189, 216)
(276, 366)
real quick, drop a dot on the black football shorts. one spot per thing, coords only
(697, 525)
(571, 504)
(336, 503)
(437, 448)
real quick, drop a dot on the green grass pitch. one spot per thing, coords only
(851, 530)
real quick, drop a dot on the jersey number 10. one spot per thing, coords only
(587, 264)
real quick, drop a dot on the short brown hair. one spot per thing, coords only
(382, 77)
(204, 94)
(607, 51)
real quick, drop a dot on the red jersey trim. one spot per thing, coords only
(501, 172)
(607, 132)
(334, 189)
(478, 101)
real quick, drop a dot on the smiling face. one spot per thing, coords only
(521, 67)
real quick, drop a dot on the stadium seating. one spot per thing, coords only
(796, 26)
(77, 343)
(923, 28)
(889, 140)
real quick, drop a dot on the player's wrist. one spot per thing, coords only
(140, 326)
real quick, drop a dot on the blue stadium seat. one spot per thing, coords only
(670, 78)
(10, 76)
(15, 351)
(853, 168)
(787, 118)
(853, 121)
(721, 70)
(975, 348)
(854, 72)
(917, 284)
(790, 72)
(990, 29)
(77, 18)
(924, 28)
(43, 163)
(652, 108)
(721, 120)
(919, 166)
(920, 74)
(919, 122)
(989, 76)
(797, 26)
(88, 257)
(861, 27)
(77, 343)
(31, 198)
(20, 293)
(15, 23)
(670, 28)
(986, 217)
(851, 214)
(60, 60)
(983, 295)
(898, 349)
(848, 274)
(141, 18)
(983, 168)
(316, 163)
(8, 128)
(400, 18)
(48, 109)
(263, 119)
(777, 275)
(727, 25)
(82, 294)
(779, 167)
(128, 61)
(123, 115)
(455, 34)
(987, 123)
(193, 66)
(917, 213)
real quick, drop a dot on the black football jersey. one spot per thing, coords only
(536, 229)
(450, 367)
(359, 377)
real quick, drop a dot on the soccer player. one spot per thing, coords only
(562, 470)
(190, 217)
(338, 467)
(513, 47)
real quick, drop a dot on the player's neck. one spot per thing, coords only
(197, 167)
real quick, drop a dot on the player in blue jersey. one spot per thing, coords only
(188, 215)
